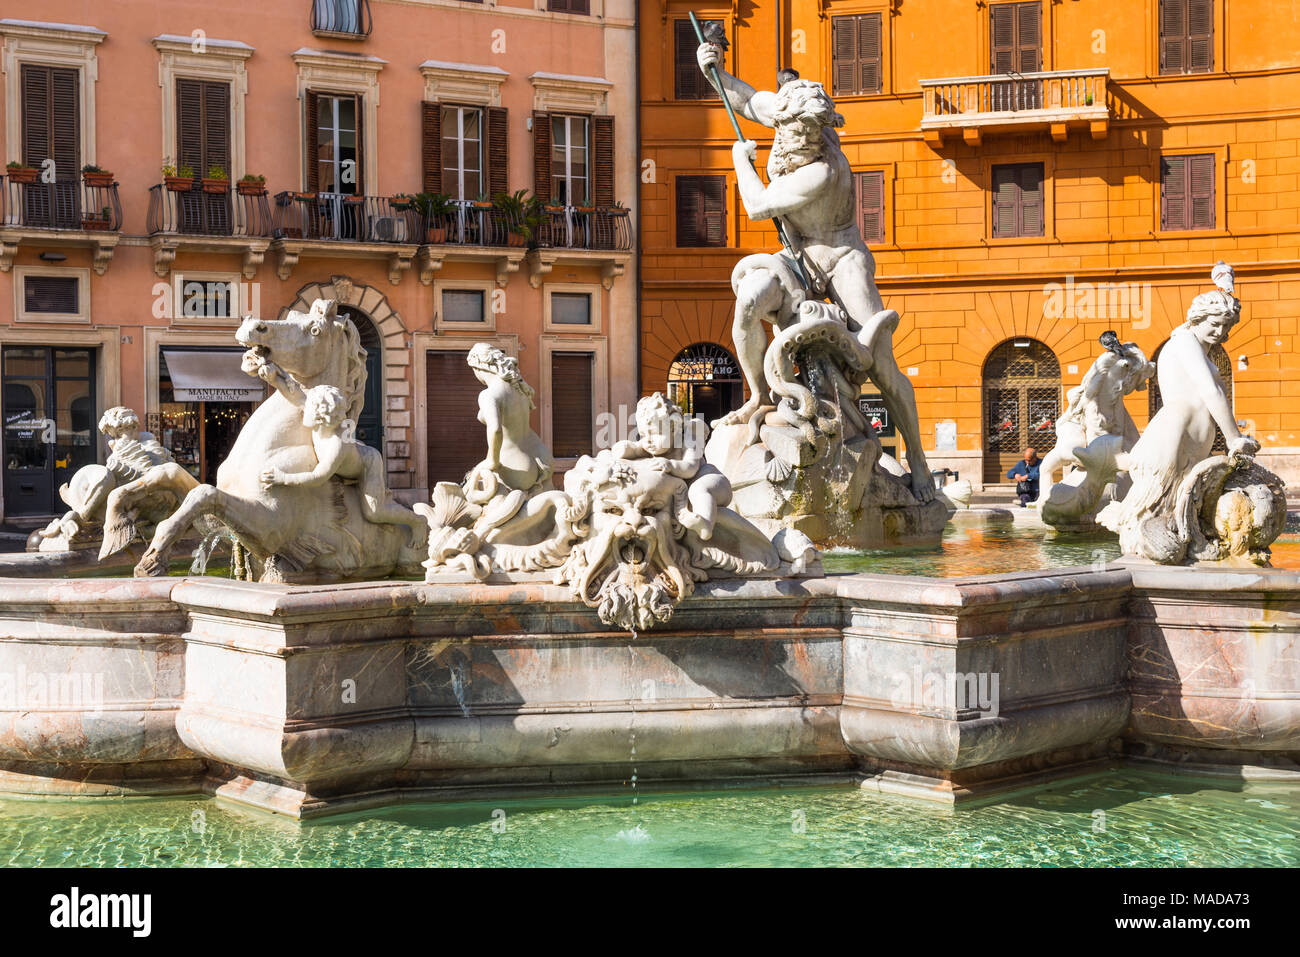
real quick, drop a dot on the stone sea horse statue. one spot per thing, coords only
(1094, 429)
(298, 499)
(133, 456)
(799, 453)
(1186, 505)
(633, 531)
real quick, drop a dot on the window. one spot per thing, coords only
(701, 211)
(462, 305)
(1015, 38)
(202, 143)
(348, 17)
(871, 205)
(569, 175)
(1018, 200)
(207, 298)
(571, 407)
(334, 160)
(1187, 191)
(689, 82)
(571, 308)
(855, 58)
(462, 152)
(51, 126)
(1186, 36)
(51, 295)
(569, 6)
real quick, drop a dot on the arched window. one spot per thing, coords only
(705, 381)
(370, 426)
(1022, 398)
(1222, 362)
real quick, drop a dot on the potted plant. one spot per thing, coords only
(521, 216)
(556, 205)
(586, 208)
(95, 176)
(217, 180)
(22, 173)
(617, 209)
(251, 184)
(435, 209)
(181, 181)
(100, 222)
(483, 202)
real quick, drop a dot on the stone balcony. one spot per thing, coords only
(976, 106)
(235, 221)
(59, 213)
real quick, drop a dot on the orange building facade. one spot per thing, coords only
(1030, 176)
(127, 287)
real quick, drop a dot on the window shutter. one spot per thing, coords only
(1200, 176)
(1173, 192)
(51, 127)
(843, 46)
(1031, 200)
(1029, 35)
(36, 115)
(359, 111)
(311, 137)
(869, 53)
(1005, 201)
(871, 205)
(56, 295)
(1173, 34)
(701, 211)
(571, 419)
(1002, 38)
(714, 196)
(602, 159)
(189, 125)
(542, 155)
(455, 440)
(689, 82)
(1200, 36)
(431, 146)
(216, 126)
(689, 211)
(496, 154)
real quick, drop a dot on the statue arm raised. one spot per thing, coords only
(788, 193)
(752, 104)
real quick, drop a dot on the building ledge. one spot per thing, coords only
(506, 259)
(167, 245)
(612, 262)
(102, 243)
(977, 106)
(287, 252)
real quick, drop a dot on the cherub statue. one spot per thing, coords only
(516, 458)
(338, 453)
(811, 191)
(675, 444)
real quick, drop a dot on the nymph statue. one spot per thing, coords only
(1185, 505)
(636, 527)
(799, 453)
(1093, 430)
(132, 455)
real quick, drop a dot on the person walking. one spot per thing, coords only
(1025, 472)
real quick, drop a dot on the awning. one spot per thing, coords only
(211, 377)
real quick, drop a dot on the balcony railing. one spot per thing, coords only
(565, 227)
(472, 225)
(341, 18)
(342, 218)
(1016, 100)
(196, 213)
(571, 227)
(63, 204)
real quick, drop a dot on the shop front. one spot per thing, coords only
(204, 398)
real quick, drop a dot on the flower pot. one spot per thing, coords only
(179, 184)
(94, 224)
(437, 234)
(305, 197)
(477, 205)
(586, 209)
(216, 185)
(615, 211)
(516, 239)
(98, 179)
(24, 174)
(251, 189)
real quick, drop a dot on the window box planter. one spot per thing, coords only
(477, 204)
(23, 174)
(585, 209)
(615, 211)
(179, 184)
(216, 185)
(516, 239)
(251, 187)
(436, 234)
(94, 225)
(304, 197)
(100, 178)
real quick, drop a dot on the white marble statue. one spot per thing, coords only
(799, 453)
(1093, 430)
(636, 527)
(298, 496)
(132, 455)
(1185, 505)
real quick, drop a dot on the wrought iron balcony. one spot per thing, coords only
(64, 212)
(337, 217)
(196, 213)
(572, 227)
(562, 227)
(1015, 102)
(472, 224)
(349, 19)
(62, 205)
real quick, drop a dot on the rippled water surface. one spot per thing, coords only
(1117, 818)
(993, 549)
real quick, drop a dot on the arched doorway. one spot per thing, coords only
(1222, 362)
(705, 381)
(1022, 398)
(370, 426)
